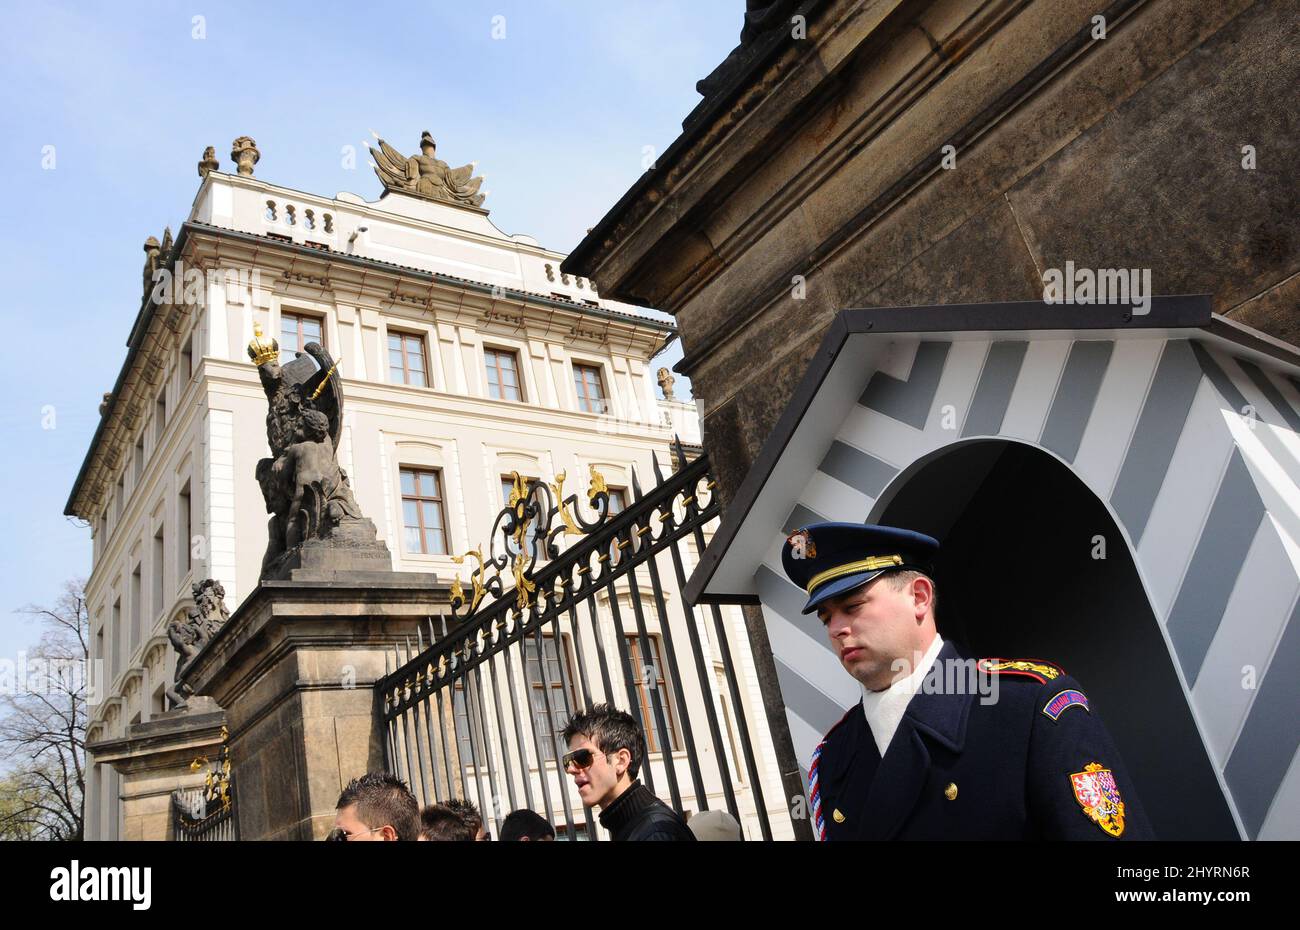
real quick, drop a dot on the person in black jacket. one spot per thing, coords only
(606, 749)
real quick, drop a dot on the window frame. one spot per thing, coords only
(489, 351)
(582, 395)
(615, 553)
(420, 499)
(301, 315)
(538, 539)
(403, 335)
(661, 684)
(563, 657)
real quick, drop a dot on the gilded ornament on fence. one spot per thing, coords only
(528, 523)
(476, 579)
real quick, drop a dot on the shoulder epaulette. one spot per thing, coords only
(1036, 669)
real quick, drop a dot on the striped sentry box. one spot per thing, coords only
(1184, 424)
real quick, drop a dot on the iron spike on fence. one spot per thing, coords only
(636, 485)
(681, 453)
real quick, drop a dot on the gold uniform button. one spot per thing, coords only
(837, 816)
(951, 791)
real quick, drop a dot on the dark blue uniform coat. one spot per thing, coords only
(1007, 766)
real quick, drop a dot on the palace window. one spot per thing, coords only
(156, 569)
(423, 517)
(137, 608)
(296, 330)
(502, 374)
(406, 359)
(652, 691)
(465, 745)
(617, 504)
(118, 637)
(184, 524)
(553, 687)
(579, 834)
(590, 388)
(617, 501)
(159, 417)
(535, 546)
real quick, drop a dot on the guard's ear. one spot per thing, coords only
(922, 595)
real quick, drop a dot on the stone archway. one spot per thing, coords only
(1018, 577)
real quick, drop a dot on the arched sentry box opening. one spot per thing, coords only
(1024, 436)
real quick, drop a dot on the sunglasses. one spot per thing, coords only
(339, 835)
(582, 758)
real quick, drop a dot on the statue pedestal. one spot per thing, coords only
(360, 559)
(154, 760)
(295, 668)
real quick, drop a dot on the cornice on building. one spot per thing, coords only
(385, 282)
(742, 84)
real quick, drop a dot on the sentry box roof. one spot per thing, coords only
(996, 426)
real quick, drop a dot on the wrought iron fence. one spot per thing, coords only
(197, 818)
(567, 612)
(207, 814)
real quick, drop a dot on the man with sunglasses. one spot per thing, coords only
(606, 749)
(377, 806)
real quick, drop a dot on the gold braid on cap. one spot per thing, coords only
(850, 568)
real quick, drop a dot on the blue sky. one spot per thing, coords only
(557, 114)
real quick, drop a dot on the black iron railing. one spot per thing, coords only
(566, 612)
(197, 818)
(207, 814)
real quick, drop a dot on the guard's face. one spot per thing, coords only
(876, 630)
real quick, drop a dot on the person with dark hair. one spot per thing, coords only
(470, 816)
(606, 749)
(440, 823)
(377, 806)
(524, 825)
(919, 758)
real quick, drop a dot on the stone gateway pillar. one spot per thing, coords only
(295, 666)
(295, 669)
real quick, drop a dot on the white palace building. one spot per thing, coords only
(466, 355)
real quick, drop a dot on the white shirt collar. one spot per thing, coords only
(884, 709)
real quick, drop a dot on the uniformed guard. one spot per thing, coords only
(944, 746)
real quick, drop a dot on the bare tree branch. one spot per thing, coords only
(43, 730)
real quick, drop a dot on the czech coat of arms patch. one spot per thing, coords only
(802, 545)
(1098, 795)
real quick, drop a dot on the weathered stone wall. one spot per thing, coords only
(1123, 152)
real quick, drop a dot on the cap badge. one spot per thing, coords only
(802, 545)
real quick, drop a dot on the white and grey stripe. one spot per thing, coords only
(1124, 412)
